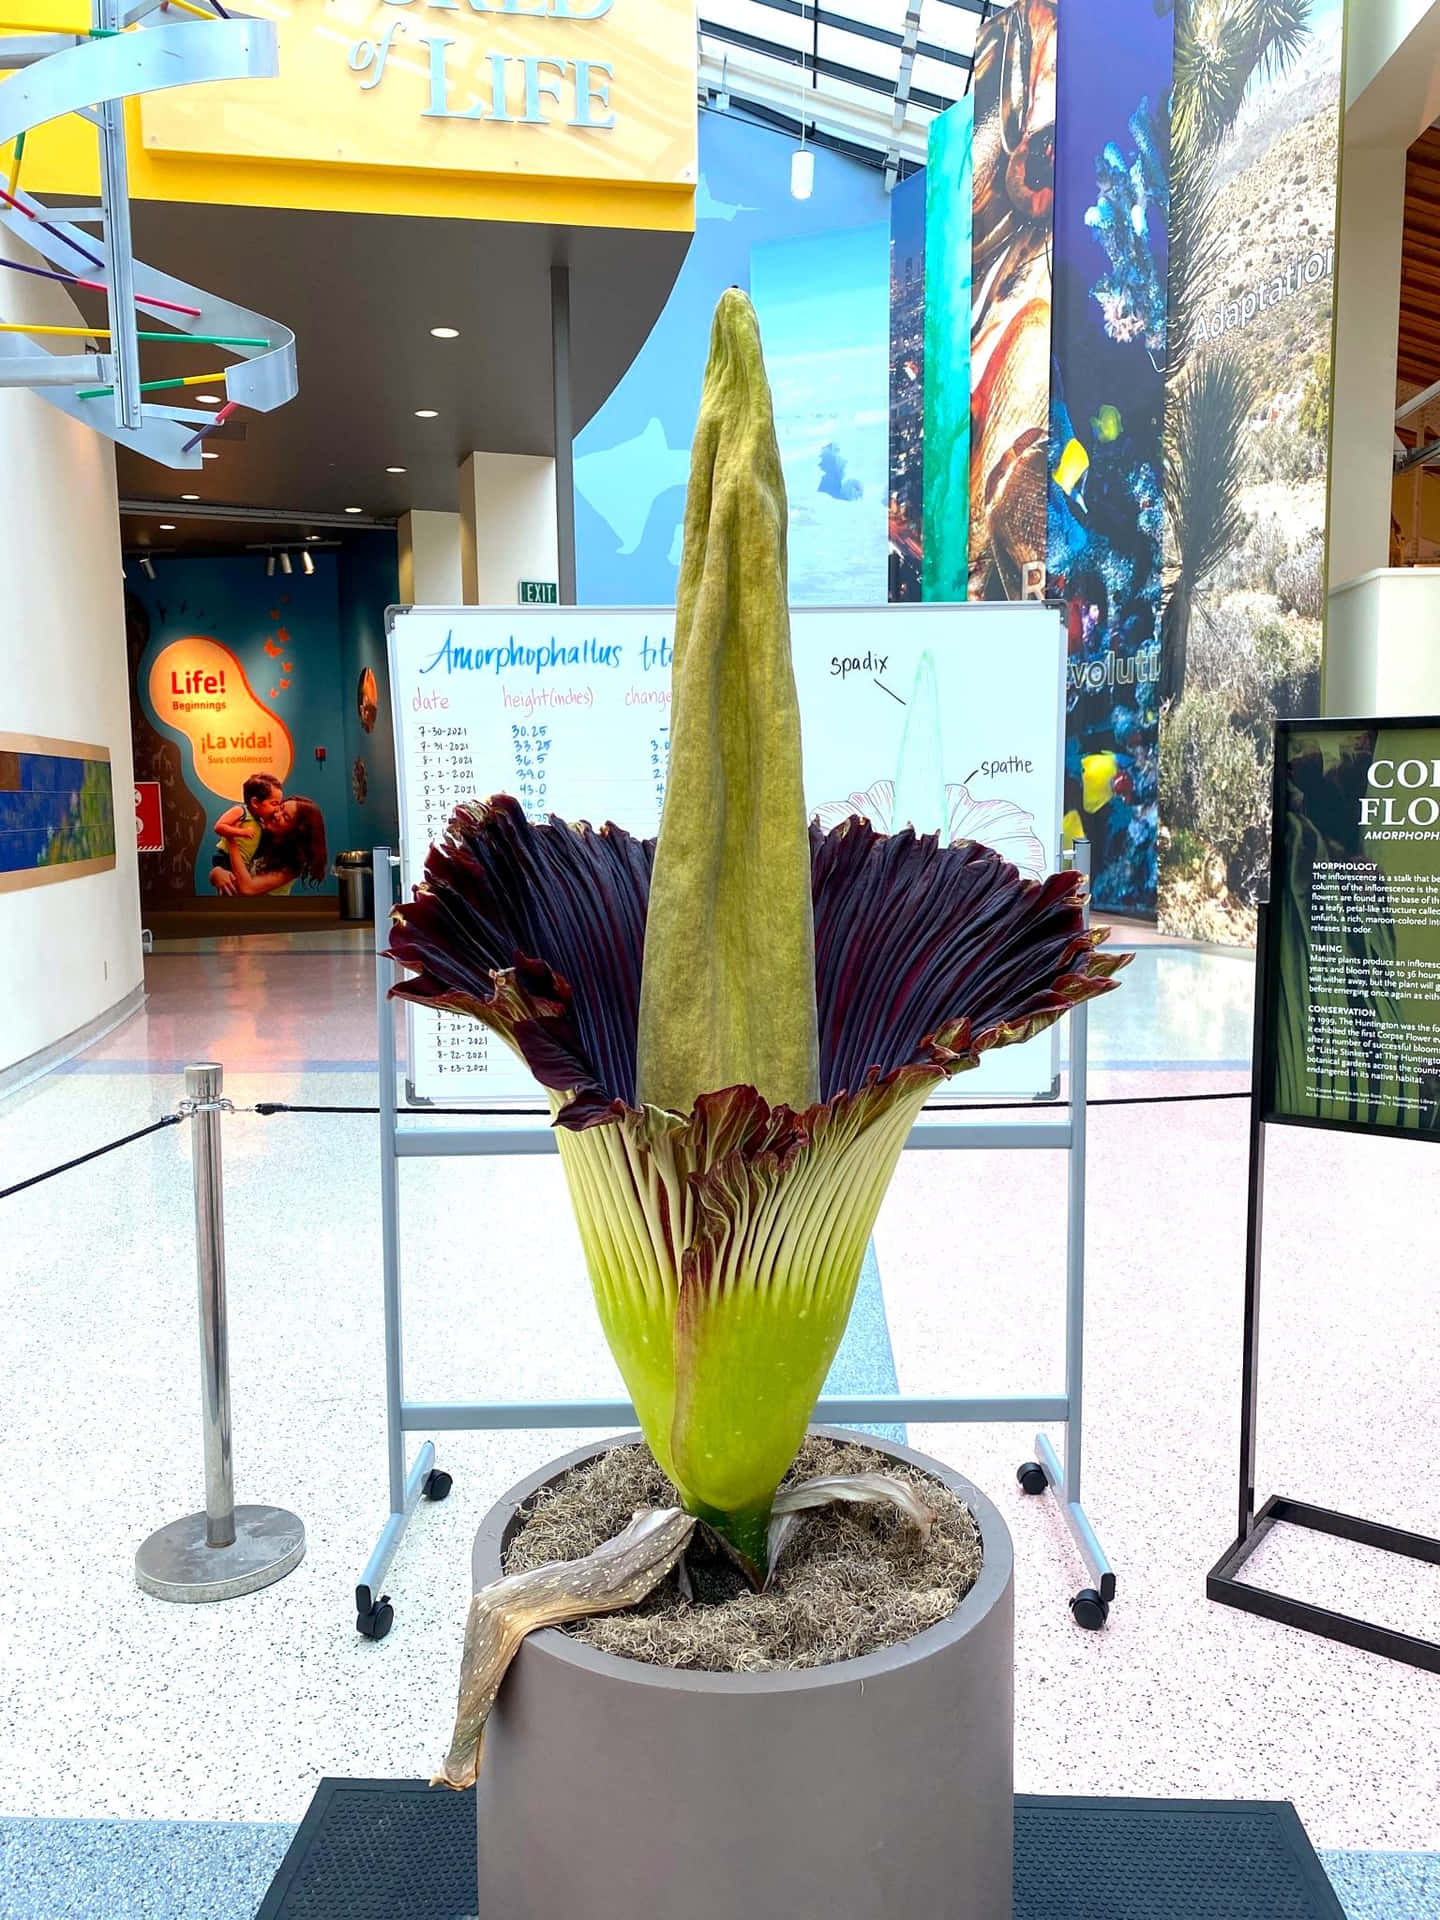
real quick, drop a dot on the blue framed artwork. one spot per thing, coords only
(57, 810)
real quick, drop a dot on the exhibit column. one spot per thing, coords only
(1392, 57)
(564, 420)
(1367, 323)
(429, 559)
(508, 527)
(517, 510)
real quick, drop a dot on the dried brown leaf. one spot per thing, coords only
(618, 1574)
(884, 1489)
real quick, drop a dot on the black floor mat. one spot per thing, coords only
(399, 1850)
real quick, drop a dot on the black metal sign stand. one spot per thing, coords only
(1223, 1583)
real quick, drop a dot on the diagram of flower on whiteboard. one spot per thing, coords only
(920, 796)
(1000, 824)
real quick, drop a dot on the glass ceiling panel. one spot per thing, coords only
(841, 68)
(847, 62)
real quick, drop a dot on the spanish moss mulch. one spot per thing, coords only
(853, 1580)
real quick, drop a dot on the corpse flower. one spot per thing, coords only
(736, 1024)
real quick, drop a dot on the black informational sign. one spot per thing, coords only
(1347, 1035)
(1350, 1028)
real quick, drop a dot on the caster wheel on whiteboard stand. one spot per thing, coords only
(1089, 1610)
(375, 1619)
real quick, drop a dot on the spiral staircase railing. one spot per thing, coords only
(128, 50)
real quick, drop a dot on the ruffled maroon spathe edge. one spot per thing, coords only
(907, 932)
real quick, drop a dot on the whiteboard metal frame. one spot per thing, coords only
(399, 1142)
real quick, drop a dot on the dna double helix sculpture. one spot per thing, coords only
(129, 49)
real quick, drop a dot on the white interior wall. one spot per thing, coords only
(70, 950)
(429, 554)
(507, 507)
(1384, 644)
(1367, 323)
(1376, 31)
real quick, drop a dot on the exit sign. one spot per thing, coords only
(539, 593)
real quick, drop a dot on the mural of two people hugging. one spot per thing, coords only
(269, 842)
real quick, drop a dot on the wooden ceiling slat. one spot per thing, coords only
(1419, 333)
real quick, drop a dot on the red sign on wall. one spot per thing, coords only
(149, 826)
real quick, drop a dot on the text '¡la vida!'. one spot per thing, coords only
(546, 657)
(519, 90)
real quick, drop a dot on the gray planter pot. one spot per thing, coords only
(873, 1789)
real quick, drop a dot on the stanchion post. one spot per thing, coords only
(203, 1086)
(226, 1550)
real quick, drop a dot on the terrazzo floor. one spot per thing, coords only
(117, 1707)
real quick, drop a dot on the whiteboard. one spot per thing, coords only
(949, 711)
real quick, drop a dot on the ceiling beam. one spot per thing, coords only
(902, 92)
(203, 510)
(851, 127)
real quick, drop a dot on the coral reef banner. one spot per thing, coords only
(907, 381)
(1107, 416)
(946, 566)
(1254, 153)
(1012, 206)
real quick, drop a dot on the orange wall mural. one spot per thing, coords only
(198, 688)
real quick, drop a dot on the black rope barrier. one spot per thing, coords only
(67, 1166)
(269, 1107)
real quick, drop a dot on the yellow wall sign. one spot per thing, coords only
(571, 110)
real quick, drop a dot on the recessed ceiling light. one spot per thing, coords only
(354, 509)
(167, 526)
(208, 399)
(394, 469)
(209, 456)
(189, 496)
(312, 536)
(426, 413)
(444, 333)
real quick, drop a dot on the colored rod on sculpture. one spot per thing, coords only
(50, 226)
(221, 417)
(15, 162)
(103, 333)
(154, 300)
(99, 286)
(155, 386)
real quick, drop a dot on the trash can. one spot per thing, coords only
(355, 872)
